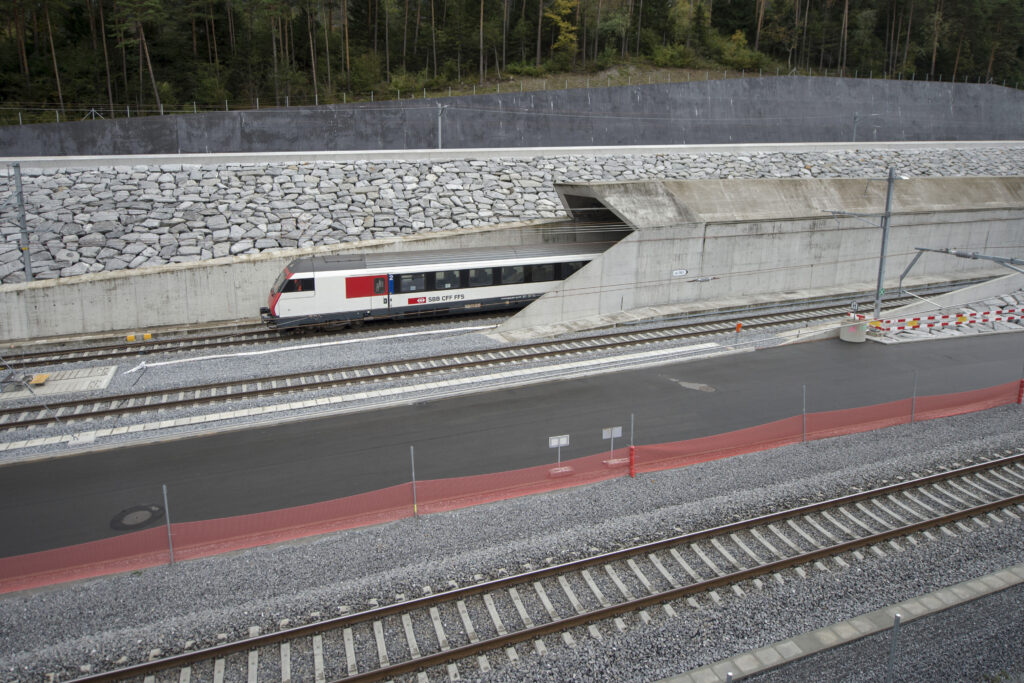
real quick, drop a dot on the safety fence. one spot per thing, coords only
(22, 113)
(189, 540)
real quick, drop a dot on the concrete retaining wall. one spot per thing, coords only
(228, 289)
(716, 243)
(234, 288)
(772, 109)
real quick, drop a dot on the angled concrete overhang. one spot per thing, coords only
(709, 244)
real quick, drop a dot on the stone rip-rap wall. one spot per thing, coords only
(116, 218)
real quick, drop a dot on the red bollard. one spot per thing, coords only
(632, 452)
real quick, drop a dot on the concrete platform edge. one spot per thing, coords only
(783, 652)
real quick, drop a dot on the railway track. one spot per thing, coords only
(76, 410)
(255, 335)
(180, 344)
(482, 626)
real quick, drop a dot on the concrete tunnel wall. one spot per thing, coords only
(226, 289)
(718, 243)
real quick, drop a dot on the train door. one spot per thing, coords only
(381, 301)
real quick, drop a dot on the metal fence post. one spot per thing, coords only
(892, 647)
(804, 411)
(167, 518)
(913, 401)
(25, 246)
(412, 461)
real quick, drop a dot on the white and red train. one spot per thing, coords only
(321, 291)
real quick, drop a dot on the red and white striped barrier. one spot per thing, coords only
(951, 320)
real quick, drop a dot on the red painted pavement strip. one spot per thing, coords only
(148, 548)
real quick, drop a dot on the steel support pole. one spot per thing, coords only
(885, 243)
(167, 518)
(26, 256)
(893, 642)
(412, 460)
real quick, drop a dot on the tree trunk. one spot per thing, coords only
(273, 45)
(213, 39)
(991, 61)
(106, 60)
(149, 64)
(387, 43)
(843, 45)
(348, 63)
(92, 26)
(327, 46)
(231, 25)
(597, 30)
(906, 46)
(433, 35)
(53, 53)
(312, 55)
(956, 63)
(19, 27)
(416, 31)
(935, 34)
(482, 55)
(640, 24)
(807, 21)
(540, 17)
(581, 20)
(405, 33)
(760, 21)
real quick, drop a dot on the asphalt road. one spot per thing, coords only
(63, 501)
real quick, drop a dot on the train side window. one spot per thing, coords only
(447, 279)
(481, 277)
(543, 272)
(512, 275)
(299, 284)
(379, 285)
(571, 267)
(411, 282)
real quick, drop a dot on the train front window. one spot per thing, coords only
(279, 282)
(411, 282)
(512, 275)
(299, 284)
(481, 277)
(543, 272)
(447, 279)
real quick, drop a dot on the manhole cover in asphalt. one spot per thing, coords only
(136, 517)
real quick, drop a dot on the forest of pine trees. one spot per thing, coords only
(116, 56)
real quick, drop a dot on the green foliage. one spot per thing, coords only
(678, 56)
(209, 51)
(525, 69)
(735, 53)
(561, 13)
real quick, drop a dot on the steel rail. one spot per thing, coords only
(450, 596)
(603, 613)
(434, 364)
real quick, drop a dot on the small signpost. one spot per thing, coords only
(611, 433)
(558, 442)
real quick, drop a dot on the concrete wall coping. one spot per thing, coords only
(89, 162)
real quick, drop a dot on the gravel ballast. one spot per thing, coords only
(99, 621)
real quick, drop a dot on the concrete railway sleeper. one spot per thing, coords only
(480, 626)
(28, 416)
